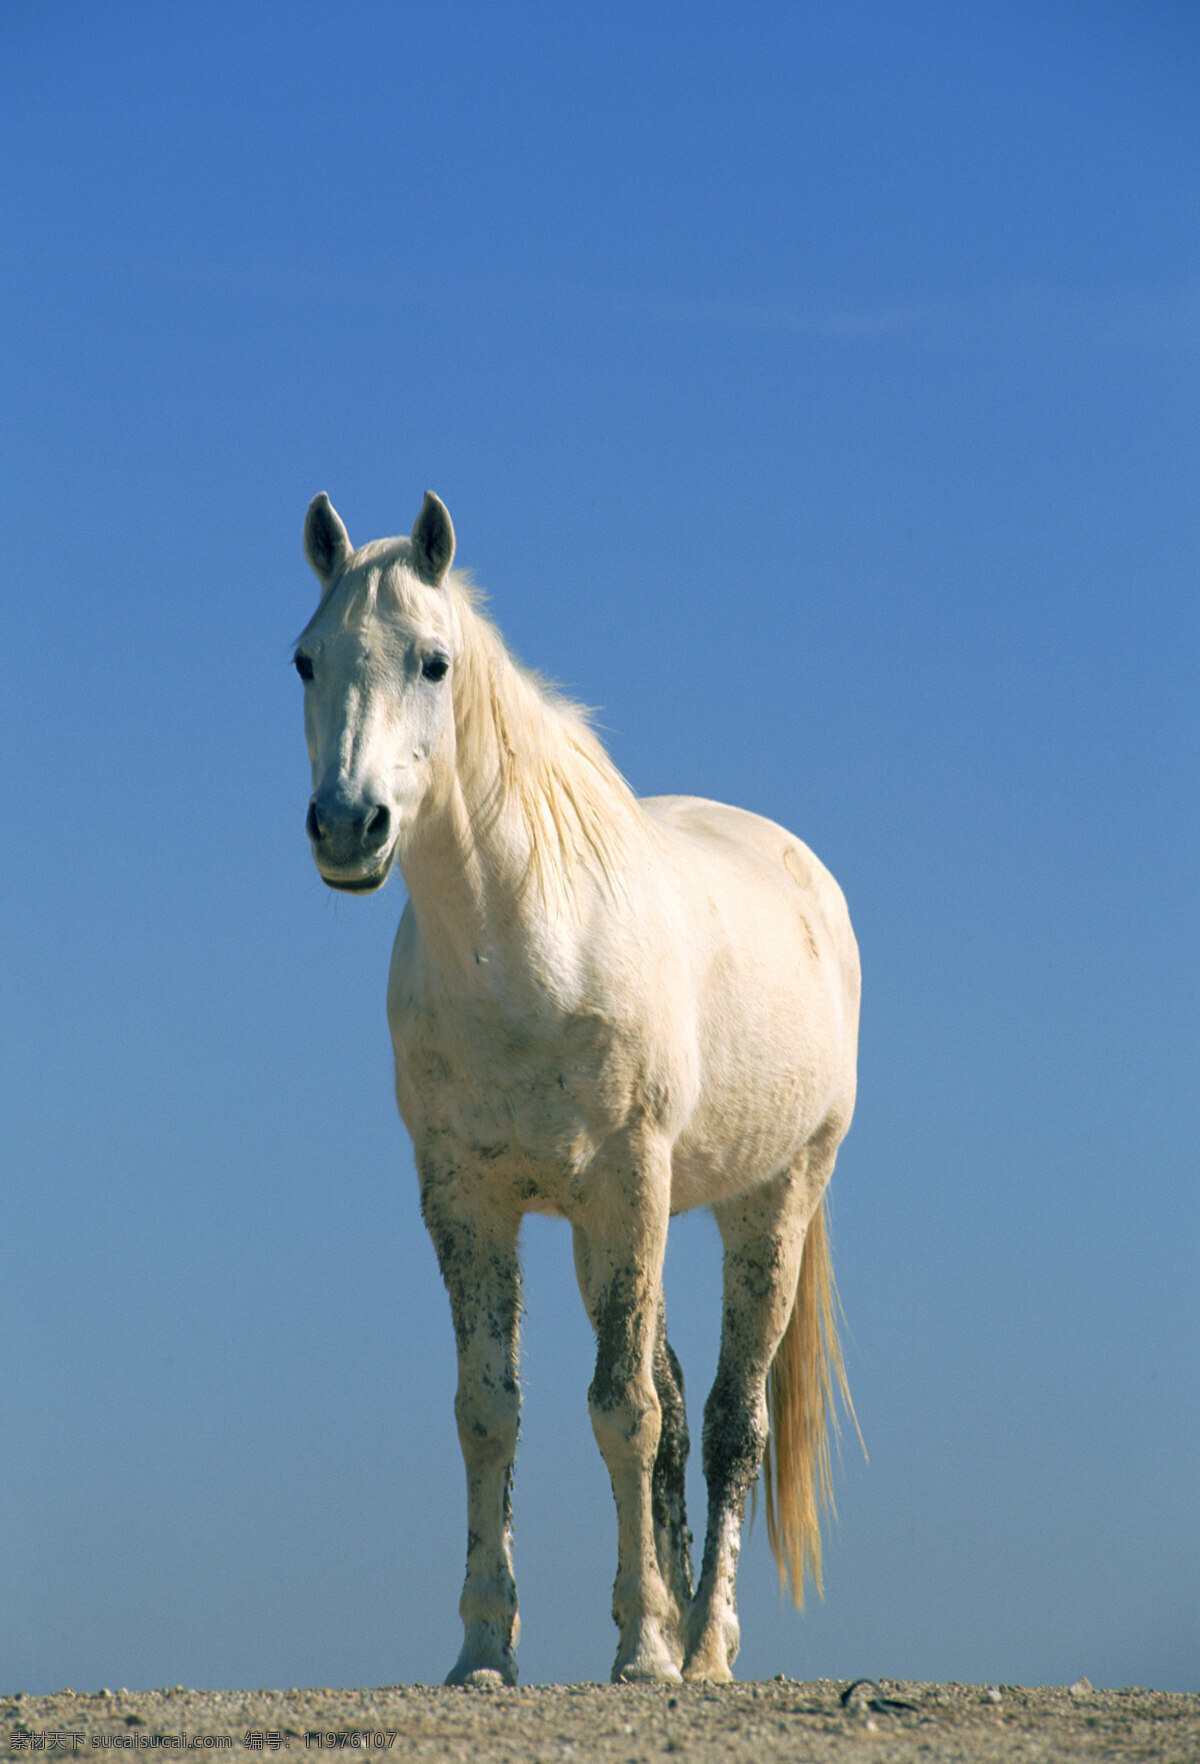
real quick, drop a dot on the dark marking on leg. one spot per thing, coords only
(669, 1486)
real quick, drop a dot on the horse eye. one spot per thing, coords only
(303, 667)
(434, 667)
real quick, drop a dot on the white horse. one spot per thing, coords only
(606, 1010)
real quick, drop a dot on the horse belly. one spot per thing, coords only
(776, 1002)
(759, 1106)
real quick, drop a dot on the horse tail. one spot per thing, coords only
(797, 1476)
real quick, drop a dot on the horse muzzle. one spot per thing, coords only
(353, 843)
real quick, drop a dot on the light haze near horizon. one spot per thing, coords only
(814, 390)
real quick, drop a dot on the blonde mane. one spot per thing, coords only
(526, 749)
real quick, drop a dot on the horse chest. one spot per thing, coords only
(490, 1094)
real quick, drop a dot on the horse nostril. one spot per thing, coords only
(378, 826)
(311, 824)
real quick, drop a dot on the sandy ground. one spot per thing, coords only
(552, 1724)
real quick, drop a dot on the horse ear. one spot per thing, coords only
(326, 542)
(433, 540)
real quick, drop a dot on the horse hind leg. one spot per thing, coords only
(672, 1538)
(764, 1233)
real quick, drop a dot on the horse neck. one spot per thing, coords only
(460, 887)
(530, 820)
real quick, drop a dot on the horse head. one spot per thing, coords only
(376, 660)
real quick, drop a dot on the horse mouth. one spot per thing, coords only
(360, 884)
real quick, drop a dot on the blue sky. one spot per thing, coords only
(814, 389)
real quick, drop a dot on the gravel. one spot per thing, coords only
(628, 1724)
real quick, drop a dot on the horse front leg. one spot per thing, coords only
(479, 1264)
(619, 1245)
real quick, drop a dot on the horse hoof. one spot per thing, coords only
(647, 1660)
(648, 1672)
(708, 1662)
(707, 1672)
(482, 1678)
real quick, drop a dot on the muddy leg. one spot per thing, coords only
(763, 1233)
(619, 1245)
(672, 1538)
(482, 1275)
